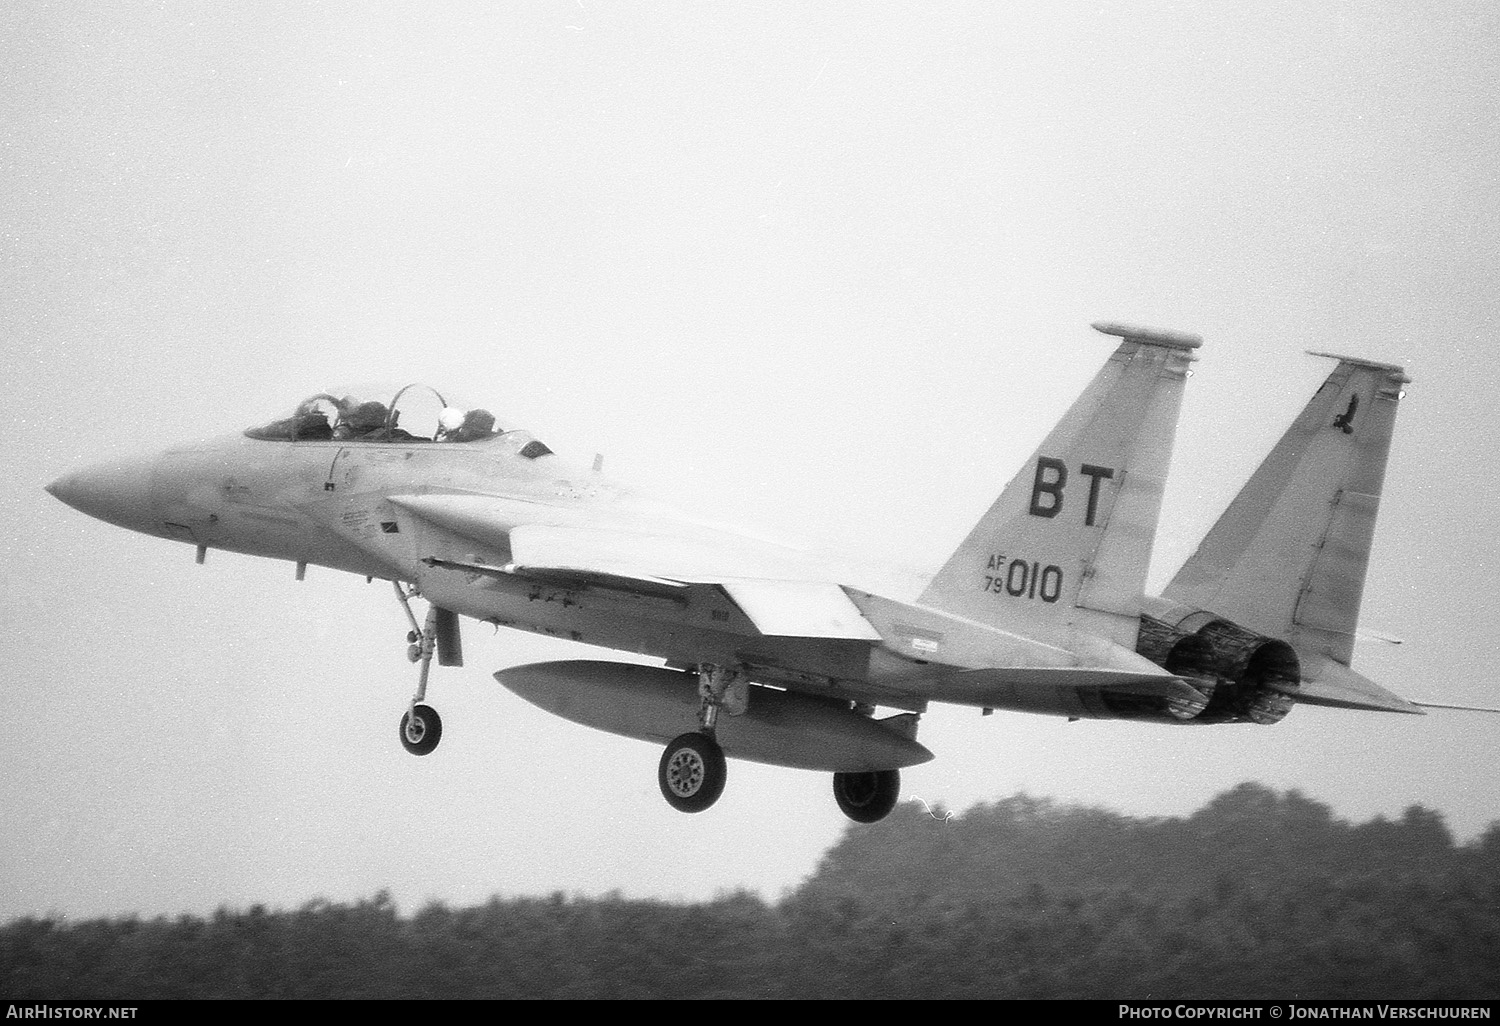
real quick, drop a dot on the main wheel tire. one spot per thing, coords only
(692, 772)
(421, 734)
(867, 797)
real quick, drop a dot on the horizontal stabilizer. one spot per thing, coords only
(1460, 708)
(1002, 686)
(1336, 685)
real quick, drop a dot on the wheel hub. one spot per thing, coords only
(685, 773)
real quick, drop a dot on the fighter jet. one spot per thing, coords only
(769, 653)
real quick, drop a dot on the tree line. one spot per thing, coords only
(1259, 894)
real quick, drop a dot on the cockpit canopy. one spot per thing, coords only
(347, 417)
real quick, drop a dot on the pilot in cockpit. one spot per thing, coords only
(309, 422)
(349, 419)
(474, 425)
(359, 419)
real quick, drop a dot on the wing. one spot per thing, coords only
(665, 570)
(767, 584)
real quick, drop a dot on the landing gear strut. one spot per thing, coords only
(692, 770)
(421, 727)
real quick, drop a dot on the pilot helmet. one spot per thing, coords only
(368, 416)
(479, 422)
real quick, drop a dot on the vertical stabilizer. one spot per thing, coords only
(1288, 557)
(1064, 550)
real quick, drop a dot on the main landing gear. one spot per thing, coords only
(867, 797)
(421, 727)
(692, 770)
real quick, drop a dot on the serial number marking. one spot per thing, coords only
(1021, 579)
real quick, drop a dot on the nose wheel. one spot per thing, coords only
(421, 729)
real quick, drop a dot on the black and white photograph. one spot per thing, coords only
(604, 499)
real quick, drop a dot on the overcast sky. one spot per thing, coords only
(826, 269)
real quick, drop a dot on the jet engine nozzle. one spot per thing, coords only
(1248, 677)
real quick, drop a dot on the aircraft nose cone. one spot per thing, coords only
(118, 492)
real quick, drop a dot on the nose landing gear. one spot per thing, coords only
(421, 727)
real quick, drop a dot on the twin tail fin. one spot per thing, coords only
(1064, 550)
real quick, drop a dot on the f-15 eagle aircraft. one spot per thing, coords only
(771, 654)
